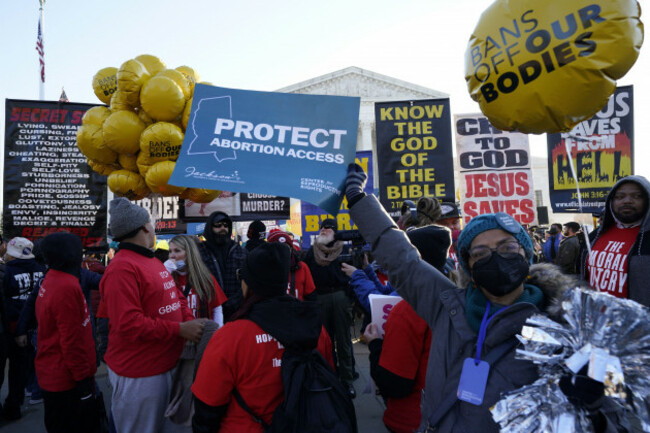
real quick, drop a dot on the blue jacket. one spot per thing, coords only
(365, 283)
(555, 241)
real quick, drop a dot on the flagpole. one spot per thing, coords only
(41, 81)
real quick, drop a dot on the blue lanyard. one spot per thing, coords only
(483, 330)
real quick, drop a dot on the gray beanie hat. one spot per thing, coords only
(126, 217)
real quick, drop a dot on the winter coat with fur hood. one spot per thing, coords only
(442, 305)
(638, 261)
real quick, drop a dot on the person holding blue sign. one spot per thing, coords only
(472, 356)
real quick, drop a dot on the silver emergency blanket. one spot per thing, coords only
(608, 335)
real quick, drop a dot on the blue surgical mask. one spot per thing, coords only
(180, 264)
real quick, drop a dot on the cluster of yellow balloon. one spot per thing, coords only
(136, 140)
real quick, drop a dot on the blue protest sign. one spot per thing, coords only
(269, 143)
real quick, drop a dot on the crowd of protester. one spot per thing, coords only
(201, 331)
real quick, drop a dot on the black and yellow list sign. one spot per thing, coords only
(414, 151)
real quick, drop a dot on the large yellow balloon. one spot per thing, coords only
(96, 116)
(160, 142)
(91, 143)
(122, 132)
(120, 101)
(158, 176)
(131, 76)
(162, 98)
(105, 84)
(544, 66)
(191, 75)
(200, 195)
(186, 113)
(152, 63)
(128, 162)
(101, 168)
(179, 79)
(127, 184)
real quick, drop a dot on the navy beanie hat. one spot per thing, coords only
(483, 223)
(266, 269)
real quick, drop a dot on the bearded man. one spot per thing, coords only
(223, 256)
(332, 295)
(620, 256)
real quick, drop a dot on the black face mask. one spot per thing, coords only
(500, 275)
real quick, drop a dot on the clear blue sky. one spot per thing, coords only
(260, 45)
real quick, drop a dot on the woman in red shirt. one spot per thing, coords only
(204, 296)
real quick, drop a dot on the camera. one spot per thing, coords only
(354, 253)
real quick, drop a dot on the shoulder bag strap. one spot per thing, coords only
(247, 409)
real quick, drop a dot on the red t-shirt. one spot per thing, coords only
(607, 264)
(66, 349)
(405, 352)
(145, 309)
(304, 282)
(193, 299)
(241, 355)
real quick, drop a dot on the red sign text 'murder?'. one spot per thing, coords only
(495, 170)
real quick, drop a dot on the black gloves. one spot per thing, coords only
(583, 391)
(354, 184)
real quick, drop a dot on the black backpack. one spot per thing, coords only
(315, 401)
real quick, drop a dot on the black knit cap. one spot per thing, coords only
(329, 222)
(433, 244)
(266, 270)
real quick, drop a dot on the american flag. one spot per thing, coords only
(41, 50)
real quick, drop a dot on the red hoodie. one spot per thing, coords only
(66, 349)
(145, 309)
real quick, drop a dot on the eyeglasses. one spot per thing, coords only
(505, 249)
(219, 225)
(327, 227)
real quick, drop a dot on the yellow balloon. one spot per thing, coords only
(162, 98)
(186, 113)
(101, 168)
(131, 76)
(160, 142)
(143, 164)
(152, 63)
(91, 143)
(146, 119)
(545, 66)
(198, 195)
(128, 162)
(120, 102)
(158, 176)
(96, 116)
(191, 75)
(179, 79)
(122, 132)
(105, 84)
(127, 184)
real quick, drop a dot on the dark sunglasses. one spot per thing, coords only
(327, 227)
(218, 225)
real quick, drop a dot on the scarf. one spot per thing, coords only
(324, 254)
(475, 303)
